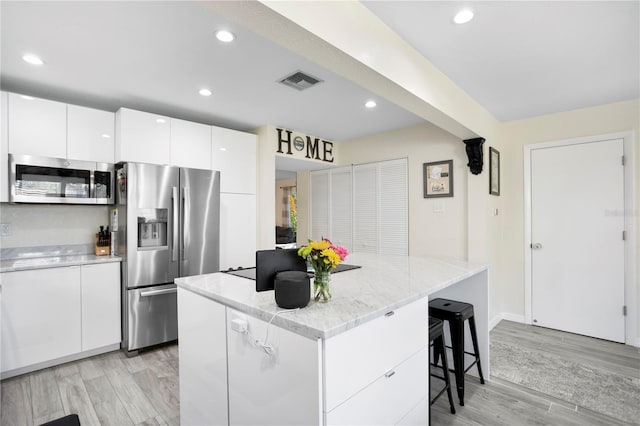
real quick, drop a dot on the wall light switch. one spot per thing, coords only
(438, 207)
(5, 229)
(494, 212)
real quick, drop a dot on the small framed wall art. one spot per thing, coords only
(494, 171)
(438, 179)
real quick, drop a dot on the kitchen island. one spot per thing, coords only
(360, 359)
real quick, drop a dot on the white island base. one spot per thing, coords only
(360, 359)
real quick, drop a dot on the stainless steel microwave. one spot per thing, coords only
(36, 179)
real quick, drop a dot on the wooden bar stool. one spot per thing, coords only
(456, 313)
(436, 337)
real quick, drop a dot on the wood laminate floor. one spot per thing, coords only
(111, 389)
(108, 389)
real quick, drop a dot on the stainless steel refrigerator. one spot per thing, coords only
(167, 222)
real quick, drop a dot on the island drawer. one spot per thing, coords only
(388, 399)
(356, 358)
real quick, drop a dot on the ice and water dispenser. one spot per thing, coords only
(152, 228)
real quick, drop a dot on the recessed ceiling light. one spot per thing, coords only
(106, 136)
(225, 36)
(160, 120)
(29, 98)
(205, 92)
(32, 59)
(464, 16)
(370, 104)
(223, 149)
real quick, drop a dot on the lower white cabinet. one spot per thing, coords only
(41, 316)
(400, 389)
(236, 369)
(100, 305)
(203, 360)
(51, 314)
(237, 230)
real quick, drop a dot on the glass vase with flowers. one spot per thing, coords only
(323, 256)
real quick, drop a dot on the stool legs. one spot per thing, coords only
(457, 347)
(439, 348)
(474, 338)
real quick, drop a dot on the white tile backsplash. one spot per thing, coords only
(45, 225)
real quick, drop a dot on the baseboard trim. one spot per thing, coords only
(634, 342)
(58, 361)
(505, 316)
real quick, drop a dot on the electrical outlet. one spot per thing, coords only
(5, 229)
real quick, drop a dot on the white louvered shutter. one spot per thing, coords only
(365, 208)
(319, 204)
(393, 222)
(341, 202)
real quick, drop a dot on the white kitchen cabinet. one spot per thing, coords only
(203, 360)
(142, 137)
(190, 144)
(279, 389)
(37, 126)
(90, 134)
(40, 316)
(100, 305)
(4, 147)
(233, 153)
(357, 357)
(237, 230)
(388, 399)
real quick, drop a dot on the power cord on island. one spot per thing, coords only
(268, 349)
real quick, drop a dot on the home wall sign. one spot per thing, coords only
(314, 148)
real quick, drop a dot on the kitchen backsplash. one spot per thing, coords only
(31, 225)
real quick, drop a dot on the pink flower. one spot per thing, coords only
(341, 251)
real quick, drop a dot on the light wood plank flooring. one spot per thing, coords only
(111, 389)
(108, 389)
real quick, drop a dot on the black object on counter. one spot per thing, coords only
(292, 289)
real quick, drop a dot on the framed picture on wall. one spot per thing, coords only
(494, 171)
(438, 179)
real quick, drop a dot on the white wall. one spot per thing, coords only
(442, 234)
(44, 225)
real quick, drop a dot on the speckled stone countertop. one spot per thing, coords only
(27, 258)
(382, 284)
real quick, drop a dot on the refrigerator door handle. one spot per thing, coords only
(183, 218)
(176, 217)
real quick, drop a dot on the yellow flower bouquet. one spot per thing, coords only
(323, 256)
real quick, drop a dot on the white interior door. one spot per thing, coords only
(577, 256)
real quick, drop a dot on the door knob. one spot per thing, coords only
(536, 246)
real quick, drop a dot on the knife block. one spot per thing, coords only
(101, 250)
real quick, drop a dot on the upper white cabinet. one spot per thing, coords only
(4, 148)
(237, 230)
(190, 144)
(90, 134)
(142, 137)
(37, 126)
(233, 153)
(54, 129)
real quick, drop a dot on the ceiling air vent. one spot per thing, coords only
(299, 80)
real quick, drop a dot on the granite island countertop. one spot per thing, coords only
(384, 283)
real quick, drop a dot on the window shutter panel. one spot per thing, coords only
(341, 202)
(393, 207)
(365, 233)
(319, 204)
